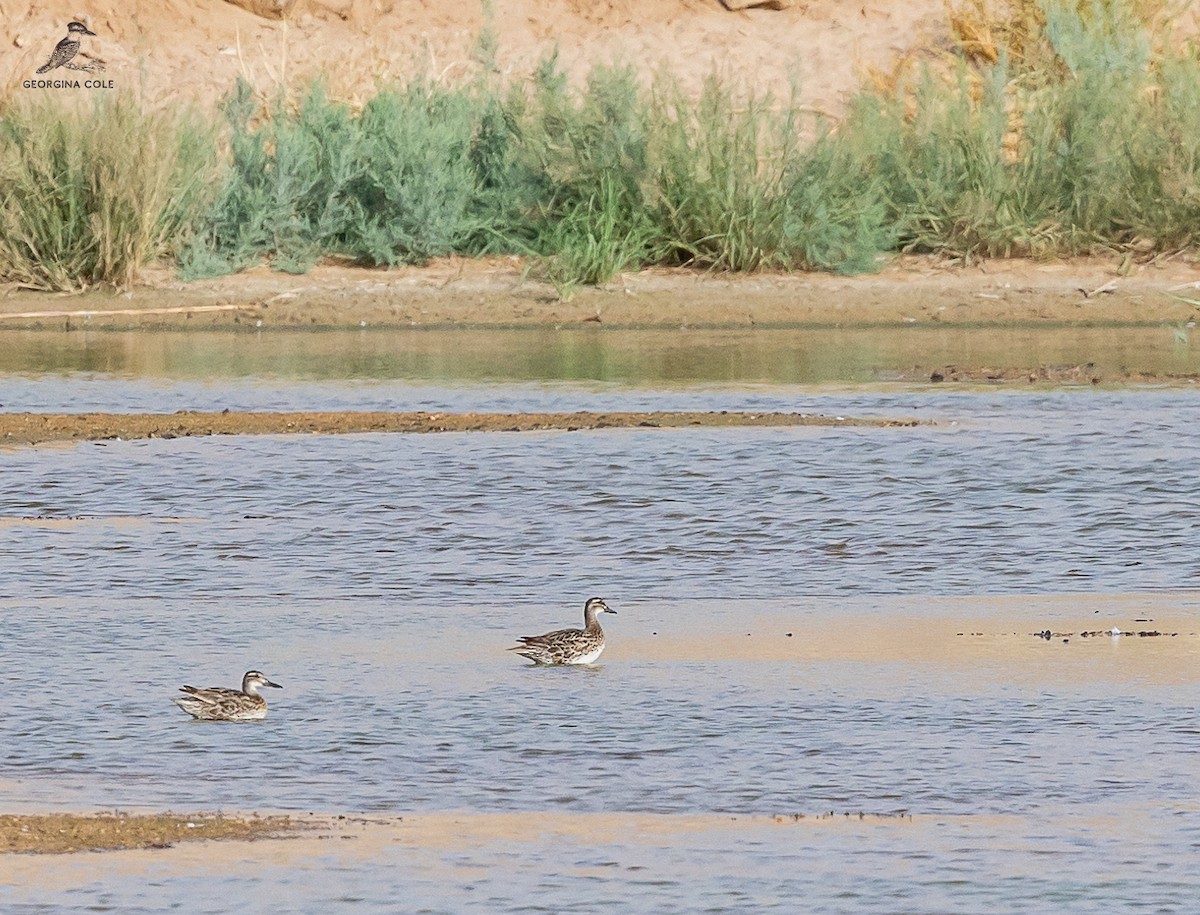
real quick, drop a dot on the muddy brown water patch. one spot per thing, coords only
(59, 833)
(32, 428)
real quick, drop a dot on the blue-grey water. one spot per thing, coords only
(381, 577)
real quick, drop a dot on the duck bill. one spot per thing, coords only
(276, 685)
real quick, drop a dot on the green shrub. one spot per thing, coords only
(282, 197)
(399, 182)
(1090, 139)
(412, 198)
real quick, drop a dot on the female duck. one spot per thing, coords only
(568, 646)
(215, 703)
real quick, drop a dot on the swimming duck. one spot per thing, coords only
(568, 646)
(215, 703)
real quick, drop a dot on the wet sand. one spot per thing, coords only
(979, 653)
(319, 839)
(141, 839)
(979, 644)
(453, 861)
(34, 428)
(60, 833)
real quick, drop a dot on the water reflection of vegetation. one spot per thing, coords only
(629, 357)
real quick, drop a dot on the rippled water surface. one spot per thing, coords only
(809, 620)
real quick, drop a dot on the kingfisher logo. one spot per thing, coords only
(66, 57)
(65, 50)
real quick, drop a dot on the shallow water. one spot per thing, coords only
(1043, 493)
(439, 369)
(379, 578)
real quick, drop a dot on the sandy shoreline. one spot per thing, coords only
(496, 292)
(140, 838)
(34, 428)
(289, 839)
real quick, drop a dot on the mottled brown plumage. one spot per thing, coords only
(568, 646)
(216, 703)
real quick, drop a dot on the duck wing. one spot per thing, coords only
(563, 646)
(219, 704)
(550, 639)
(211, 694)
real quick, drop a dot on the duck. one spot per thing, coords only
(568, 646)
(216, 703)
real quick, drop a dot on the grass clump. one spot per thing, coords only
(584, 170)
(91, 194)
(628, 177)
(739, 190)
(1097, 150)
(986, 30)
(723, 175)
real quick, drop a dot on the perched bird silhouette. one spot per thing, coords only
(65, 50)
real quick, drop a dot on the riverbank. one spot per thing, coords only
(450, 292)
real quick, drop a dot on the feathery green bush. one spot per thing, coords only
(91, 193)
(1091, 142)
